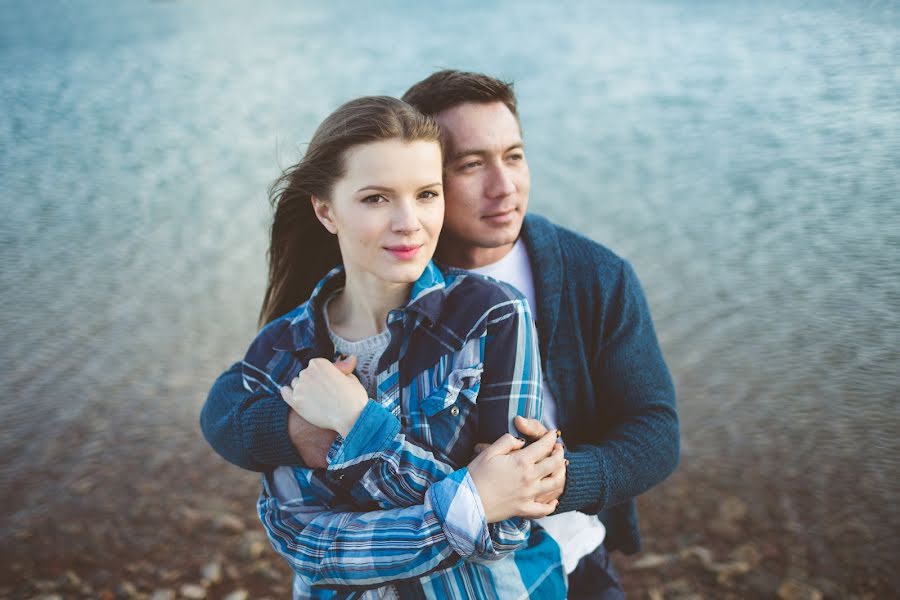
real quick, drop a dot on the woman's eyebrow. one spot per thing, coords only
(381, 188)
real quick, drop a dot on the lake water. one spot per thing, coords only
(745, 157)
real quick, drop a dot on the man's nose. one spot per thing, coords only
(501, 183)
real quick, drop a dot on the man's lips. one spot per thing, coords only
(404, 252)
(500, 217)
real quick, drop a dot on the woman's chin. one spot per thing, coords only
(403, 273)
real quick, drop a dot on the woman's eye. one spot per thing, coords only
(374, 199)
(429, 195)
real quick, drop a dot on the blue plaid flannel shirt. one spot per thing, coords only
(396, 512)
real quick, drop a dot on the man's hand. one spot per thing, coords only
(533, 430)
(311, 442)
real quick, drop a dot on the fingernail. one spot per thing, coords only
(559, 433)
(567, 462)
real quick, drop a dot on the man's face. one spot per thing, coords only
(486, 183)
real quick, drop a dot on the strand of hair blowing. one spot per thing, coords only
(301, 250)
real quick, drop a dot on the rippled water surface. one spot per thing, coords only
(744, 156)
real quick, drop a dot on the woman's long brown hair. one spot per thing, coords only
(301, 250)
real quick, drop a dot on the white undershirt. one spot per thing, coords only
(577, 534)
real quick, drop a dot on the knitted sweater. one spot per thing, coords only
(601, 360)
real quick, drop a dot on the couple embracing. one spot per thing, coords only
(448, 398)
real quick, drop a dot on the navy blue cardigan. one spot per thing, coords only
(601, 360)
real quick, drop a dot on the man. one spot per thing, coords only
(606, 384)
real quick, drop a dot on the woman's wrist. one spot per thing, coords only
(345, 424)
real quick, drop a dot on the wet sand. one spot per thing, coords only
(180, 522)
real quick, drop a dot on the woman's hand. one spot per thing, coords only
(532, 430)
(327, 396)
(510, 478)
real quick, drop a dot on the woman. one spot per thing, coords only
(446, 360)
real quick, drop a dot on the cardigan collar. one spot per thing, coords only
(546, 266)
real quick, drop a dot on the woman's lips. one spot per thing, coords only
(404, 252)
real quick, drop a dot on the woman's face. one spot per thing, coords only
(387, 210)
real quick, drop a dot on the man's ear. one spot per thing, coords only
(323, 213)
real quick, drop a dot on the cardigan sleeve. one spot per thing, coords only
(639, 446)
(248, 429)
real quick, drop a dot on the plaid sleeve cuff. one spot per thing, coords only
(371, 434)
(458, 507)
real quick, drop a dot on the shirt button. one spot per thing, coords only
(454, 411)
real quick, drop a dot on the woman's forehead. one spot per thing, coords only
(394, 164)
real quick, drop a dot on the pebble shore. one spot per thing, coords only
(186, 527)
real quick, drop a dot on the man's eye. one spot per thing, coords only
(516, 156)
(374, 199)
(472, 164)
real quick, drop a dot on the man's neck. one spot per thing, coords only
(464, 256)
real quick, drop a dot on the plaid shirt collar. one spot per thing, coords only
(308, 330)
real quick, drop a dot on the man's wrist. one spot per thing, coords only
(264, 432)
(584, 483)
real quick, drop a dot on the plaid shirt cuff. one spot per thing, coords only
(458, 507)
(371, 435)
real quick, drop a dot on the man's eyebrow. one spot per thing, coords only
(481, 152)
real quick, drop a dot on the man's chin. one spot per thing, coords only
(495, 237)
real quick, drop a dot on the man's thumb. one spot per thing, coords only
(346, 364)
(530, 428)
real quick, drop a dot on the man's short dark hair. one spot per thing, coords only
(449, 88)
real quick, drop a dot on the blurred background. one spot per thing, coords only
(744, 156)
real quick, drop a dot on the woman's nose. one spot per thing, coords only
(405, 217)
